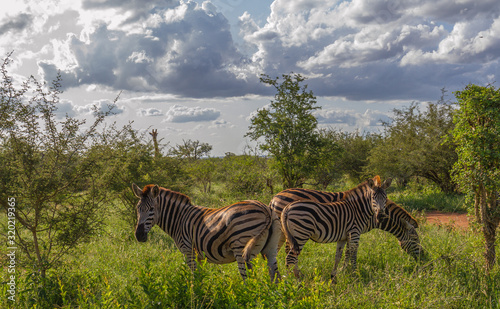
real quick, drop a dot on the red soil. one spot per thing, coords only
(455, 219)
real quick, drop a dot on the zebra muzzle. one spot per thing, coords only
(140, 234)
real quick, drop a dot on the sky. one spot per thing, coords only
(191, 69)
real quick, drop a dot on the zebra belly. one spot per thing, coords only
(325, 238)
(227, 259)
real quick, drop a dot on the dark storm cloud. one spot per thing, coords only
(187, 50)
(380, 50)
(16, 23)
(361, 50)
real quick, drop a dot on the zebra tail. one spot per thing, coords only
(247, 251)
(294, 245)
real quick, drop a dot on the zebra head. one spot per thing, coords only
(379, 196)
(145, 210)
(410, 242)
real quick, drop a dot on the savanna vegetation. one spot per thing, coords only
(65, 185)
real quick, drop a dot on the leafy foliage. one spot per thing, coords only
(477, 134)
(191, 150)
(288, 129)
(49, 168)
(344, 155)
(202, 171)
(245, 174)
(417, 143)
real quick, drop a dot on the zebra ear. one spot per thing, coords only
(386, 183)
(137, 191)
(408, 225)
(371, 183)
(155, 191)
(413, 222)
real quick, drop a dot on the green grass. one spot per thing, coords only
(115, 271)
(427, 198)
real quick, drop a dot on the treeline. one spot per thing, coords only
(65, 173)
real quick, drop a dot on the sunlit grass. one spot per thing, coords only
(416, 197)
(115, 271)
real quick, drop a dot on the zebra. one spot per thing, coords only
(398, 222)
(342, 221)
(237, 232)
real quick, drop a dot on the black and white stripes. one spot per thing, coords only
(398, 221)
(237, 232)
(342, 221)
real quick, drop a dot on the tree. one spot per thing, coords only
(49, 171)
(417, 143)
(131, 157)
(202, 171)
(328, 167)
(247, 173)
(477, 171)
(191, 150)
(288, 129)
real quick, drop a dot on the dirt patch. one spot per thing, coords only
(446, 218)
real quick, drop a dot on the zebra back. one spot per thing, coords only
(398, 222)
(285, 197)
(329, 222)
(209, 233)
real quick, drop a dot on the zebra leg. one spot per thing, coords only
(292, 258)
(270, 251)
(272, 265)
(338, 256)
(191, 261)
(291, 263)
(352, 250)
(242, 265)
(282, 240)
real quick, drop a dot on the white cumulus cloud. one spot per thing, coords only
(179, 113)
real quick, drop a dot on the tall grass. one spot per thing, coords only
(115, 271)
(427, 197)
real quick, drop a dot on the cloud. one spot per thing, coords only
(220, 124)
(101, 106)
(68, 108)
(358, 50)
(351, 118)
(136, 9)
(65, 108)
(181, 48)
(16, 23)
(474, 41)
(375, 49)
(147, 112)
(180, 114)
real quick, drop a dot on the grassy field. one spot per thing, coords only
(115, 271)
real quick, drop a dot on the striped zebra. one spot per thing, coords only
(237, 232)
(398, 222)
(342, 221)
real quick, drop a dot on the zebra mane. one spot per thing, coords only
(173, 194)
(349, 193)
(391, 206)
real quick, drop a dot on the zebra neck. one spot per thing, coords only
(392, 226)
(367, 203)
(362, 200)
(173, 213)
